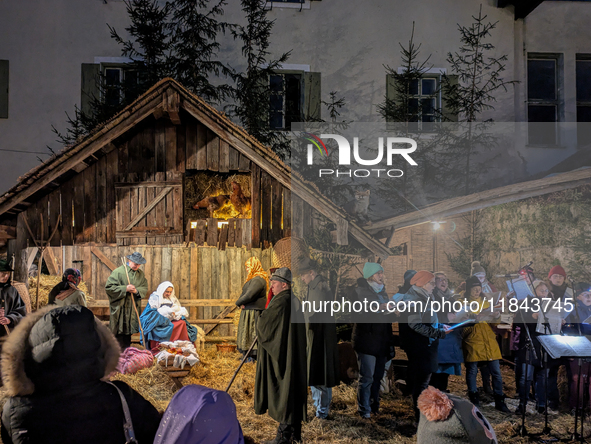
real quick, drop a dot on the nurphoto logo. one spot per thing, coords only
(393, 148)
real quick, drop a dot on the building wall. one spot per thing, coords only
(348, 44)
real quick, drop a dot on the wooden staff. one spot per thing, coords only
(133, 303)
(242, 363)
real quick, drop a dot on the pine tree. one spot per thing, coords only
(253, 92)
(479, 80)
(177, 39)
(194, 27)
(400, 107)
(404, 112)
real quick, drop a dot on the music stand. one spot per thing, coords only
(578, 347)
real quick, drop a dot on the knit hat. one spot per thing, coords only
(582, 287)
(4, 266)
(476, 268)
(449, 419)
(471, 282)
(371, 268)
(422, 277)
(537, 282)
(556, 269)
(408, 274)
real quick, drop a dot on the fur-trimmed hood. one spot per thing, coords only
(56, 349)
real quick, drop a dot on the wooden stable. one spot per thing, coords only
(126, 186)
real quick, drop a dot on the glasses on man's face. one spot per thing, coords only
(441, 280)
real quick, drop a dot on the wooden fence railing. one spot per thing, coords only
(207, 280)
(221, 233)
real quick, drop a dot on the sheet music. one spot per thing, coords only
(522, 289)
(566, 346)
(554, 318)
(495, 296)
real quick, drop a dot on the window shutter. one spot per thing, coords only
(90, 88)
(447, 113)
(3, 89)
(392, 96)
(312, 96)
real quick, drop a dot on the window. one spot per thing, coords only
(286, 100)
(296, 4)
(295, 97)
(109, 78)
(583, 75)
(543, 97)
(3, 89)
(426, 103)
(425, 100)
(117, 81)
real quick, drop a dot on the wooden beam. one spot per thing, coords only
(485, 199)
(220, 339)
(148, 208)
(104, 259)
(183, 302)
(158, 184)
(51, 263)
(342, 231)
(31, 256)
(148, 233)
(80, 166)
(130, 117)
(171, 105)
(221, 315)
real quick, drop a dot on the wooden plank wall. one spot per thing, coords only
(154, 151)
(271, 209)
(196, 272)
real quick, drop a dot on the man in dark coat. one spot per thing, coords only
(123, 293)
(323, 359)
(53, 365)
(372, 339)
(423, 334)
(281, 383)
(12, 307)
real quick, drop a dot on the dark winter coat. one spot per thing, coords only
(530, 323)
(323, 357)
(449, 350)
(254, 294)
(124, 320)
(281, 376)
(373, 338)
(254, 298)
(52, 365)
(423, 333)
(14, 307)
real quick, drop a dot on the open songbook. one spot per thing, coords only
(550, 321)
(520, 287)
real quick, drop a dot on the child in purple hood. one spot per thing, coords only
(200, 415)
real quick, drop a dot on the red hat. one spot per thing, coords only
(556, 269)
(421, 278)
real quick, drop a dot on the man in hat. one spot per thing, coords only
(321, 330)
(123, 292)
(12, 307)
(372, 339)
(280, 384)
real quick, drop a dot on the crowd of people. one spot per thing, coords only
(62, 352)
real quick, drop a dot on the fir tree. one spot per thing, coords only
(195, 27)
(480, 79)
(177, 39)
(404, 110)
(253, 92)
